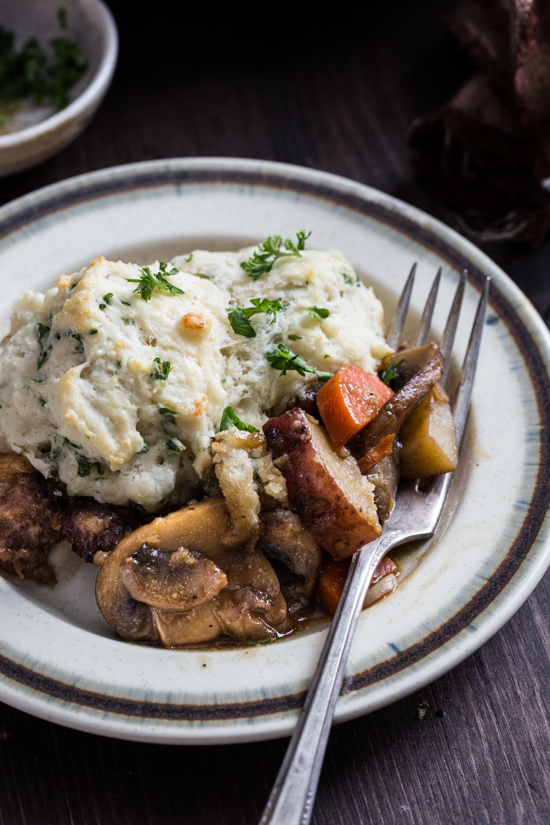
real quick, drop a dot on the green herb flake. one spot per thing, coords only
(189, 258)
(162, 369)
(270, 251)
(126, 304)
(171, 446)
(167, 418)
(285, 360)
(42, 331)
(231, 419)
(150, 281)
(295, 337)
(42, 402)
(36, 73)
(349, 279)
(144, 449)
(318, 313)
(239, 317)
(86, 465)
(390, 373)
(79, 345)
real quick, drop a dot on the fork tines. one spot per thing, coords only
(465, 384)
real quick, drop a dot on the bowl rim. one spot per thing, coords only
(93, 92)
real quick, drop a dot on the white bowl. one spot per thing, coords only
(58, 657)
(91, 25)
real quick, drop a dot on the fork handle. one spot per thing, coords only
(291, 800)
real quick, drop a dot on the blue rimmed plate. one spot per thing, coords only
(60, 661)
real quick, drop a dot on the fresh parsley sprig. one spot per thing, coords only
(162, 369)
(231, 419)
(390, 373)
(155, 280)
(270, 251)
(285, 360)
(239, 317)
(318, 313)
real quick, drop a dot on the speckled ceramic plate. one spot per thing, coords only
(60, 661)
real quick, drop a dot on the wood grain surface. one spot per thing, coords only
(334, 90)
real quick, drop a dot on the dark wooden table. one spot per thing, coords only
(333, 90)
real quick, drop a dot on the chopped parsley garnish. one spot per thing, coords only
(107, 300)
(79, 346)
(126, 304)
(38, 73)
(189, 257)
(285, 360)
(295, 337)
(42, 331)
(239, 317)
(85, 466)
(318, 313)
(231, 419)
(390, 373)
(151, 280)
(167, 417)
(144, 449)
(270, 251)
(162, 369)
(171, 446)
(347, 276)
(93, 331)
(42, 402)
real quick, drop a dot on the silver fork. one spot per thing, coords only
(415, 516)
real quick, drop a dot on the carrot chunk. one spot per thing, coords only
(379, 451)
(333, 577)
(349, 401)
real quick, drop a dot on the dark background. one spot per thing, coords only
(334, 90)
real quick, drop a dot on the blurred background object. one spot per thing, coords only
(57, 59)
(486, 153)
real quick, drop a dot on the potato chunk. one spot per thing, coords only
(429, 438)
(333, 500)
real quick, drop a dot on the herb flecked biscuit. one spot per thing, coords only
(117, 379)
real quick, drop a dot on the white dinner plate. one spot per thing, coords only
(58, 658)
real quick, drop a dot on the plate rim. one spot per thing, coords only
(435, 236)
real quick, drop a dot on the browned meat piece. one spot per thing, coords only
(30, 519)
(91, 526)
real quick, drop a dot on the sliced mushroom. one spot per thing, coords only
(146, 587)
(385, 477)
(203, 526)
(392, 415)
(178, 580)
(286, 539)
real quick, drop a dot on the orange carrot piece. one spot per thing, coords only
(333, 577)
(349, 401)
(381, 450)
